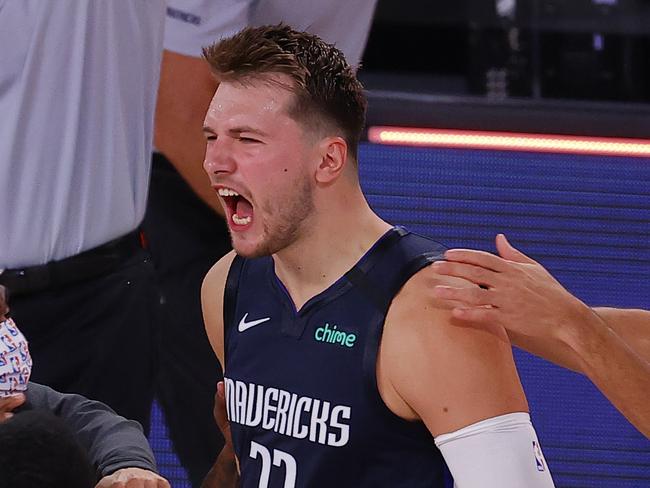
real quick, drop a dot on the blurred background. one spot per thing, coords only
(533, 49)
(540, 69)
(483, 62)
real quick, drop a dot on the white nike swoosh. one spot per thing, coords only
(243, 325)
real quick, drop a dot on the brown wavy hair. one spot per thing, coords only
(328, 95)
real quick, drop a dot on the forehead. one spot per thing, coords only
(264, 101)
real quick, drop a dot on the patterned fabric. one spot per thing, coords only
(15, 361)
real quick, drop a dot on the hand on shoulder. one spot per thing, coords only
(511, 290)
(447, 375)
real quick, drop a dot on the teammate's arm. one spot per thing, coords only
(116, 446)
(631, 325)
(610, 346)
(224, 473)
(463, 384)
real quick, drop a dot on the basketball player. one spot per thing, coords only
(183, 249)
(339, 369)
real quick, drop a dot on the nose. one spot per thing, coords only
(219, 157)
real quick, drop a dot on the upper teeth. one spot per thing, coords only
(227, 192)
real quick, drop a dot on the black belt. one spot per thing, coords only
(88, 264)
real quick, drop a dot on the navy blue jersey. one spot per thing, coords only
(301, 386)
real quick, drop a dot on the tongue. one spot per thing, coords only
(244, 209)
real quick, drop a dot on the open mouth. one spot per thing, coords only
(238, 209)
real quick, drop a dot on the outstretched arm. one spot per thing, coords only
(632, 325)
(610, 346)
(115, 445)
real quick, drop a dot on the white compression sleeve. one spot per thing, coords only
(501, 452)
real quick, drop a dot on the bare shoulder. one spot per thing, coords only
(212, 291)
(446, 373)
(218, 273)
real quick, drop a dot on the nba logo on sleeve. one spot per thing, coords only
(539, 457)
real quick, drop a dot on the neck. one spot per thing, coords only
(334, 241)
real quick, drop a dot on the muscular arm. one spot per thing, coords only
(185, 90)
(631, 325)
(610, 346)
(224, 473)
(452, 377)
(621, 374)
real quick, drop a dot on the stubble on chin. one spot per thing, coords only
(286, 222)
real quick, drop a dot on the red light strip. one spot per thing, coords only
(510, 141)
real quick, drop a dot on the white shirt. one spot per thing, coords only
(78, 84)
(193, 24)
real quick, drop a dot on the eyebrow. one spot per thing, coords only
(237, 130)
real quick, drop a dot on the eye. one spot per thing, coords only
(248, 140)
(210, 137)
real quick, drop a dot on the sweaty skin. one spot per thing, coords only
(610, 346)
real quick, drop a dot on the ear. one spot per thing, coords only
(333, 155)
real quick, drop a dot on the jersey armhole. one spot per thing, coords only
(230, 300)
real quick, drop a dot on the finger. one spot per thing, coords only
(18, 399)
(137, 483)
(483, 318)
(477, 315)
(473, 296)
(507, 251)
(12, 402)
(469, 272)
(477, 258)
(446, 304)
